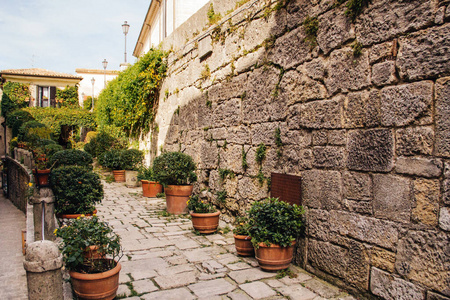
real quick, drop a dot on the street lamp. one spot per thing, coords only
(105, 64)
(92, 81)
(125, 28)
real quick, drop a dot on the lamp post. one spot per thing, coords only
(92, 81)
(125, 28)
(105, 64)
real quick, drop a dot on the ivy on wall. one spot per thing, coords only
(54, 118)
(128, 102)
(15, 96)
(68, 97)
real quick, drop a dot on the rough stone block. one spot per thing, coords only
(382, 259)
(328, 257)
(370, 150)
(380, 52)
(414, 140)
(300, 138)
(315, 69)
(227, 113)
(317, 114)
(337, 137)
(444, 218)
(384, 73)
(391, 287)
(426, 205)
(385, 19)
(208, 155)
(238, 135)
(362, 207)
(297, 87)
(264, 133)
(420, 55)
(362, 109)
(423, 256)
(291, 49)
(442, 120)
(322, 189)
(407, 104)
(446, 192)
(329, 157)
(367, 229)
(334, 30)
(357, 186)
(346, 72)
(296, 159)
(392, 197)
(228, 89)
(319, 137)
(419, 166)
(434, 296)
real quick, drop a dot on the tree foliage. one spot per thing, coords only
(15, 95)
(128, 101)
(68, 97)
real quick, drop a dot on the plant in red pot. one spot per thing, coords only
(93, 275)
(204, 217)
(112, 160)
(150, 187)
(242, 239)
(42, 163)
(176, 172)
(76, 190)
(274, 228)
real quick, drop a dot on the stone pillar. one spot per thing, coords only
(43, 264)
(40, 196)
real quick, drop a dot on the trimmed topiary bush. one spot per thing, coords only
(72, 157)
(131, 159)
(174, 168)
(101, 143)
(111, 160)
(76, 190)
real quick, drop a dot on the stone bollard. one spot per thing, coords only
(43, 264)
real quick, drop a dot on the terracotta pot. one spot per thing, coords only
(151, 188)
(41, 177)
(243, 244)
(177, 197)
(205, 222)
(100, 286)
(274, 257)
(74, 216)
(119, 175)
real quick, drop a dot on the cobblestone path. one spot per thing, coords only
(13, 280)
(164, 258)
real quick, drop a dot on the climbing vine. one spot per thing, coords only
(129, 101)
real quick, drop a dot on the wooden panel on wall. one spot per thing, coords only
(286, 187)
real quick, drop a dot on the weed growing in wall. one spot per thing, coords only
(311, 26)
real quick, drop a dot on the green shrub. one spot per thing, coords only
(101, 143)
(16, 119)
(15, 96)
(68, 97)
(76, 190)
(146, 173)
(196, 205)
(174, 168)
(71, 157)
(131, 159)
(275, 222)
(32, 132)
(111, 160)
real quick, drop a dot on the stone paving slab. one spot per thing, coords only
(13, 281)
(165, 259)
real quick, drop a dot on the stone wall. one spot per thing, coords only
(369, 133)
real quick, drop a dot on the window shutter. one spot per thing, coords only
(52, 96)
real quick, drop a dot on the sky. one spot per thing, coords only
(63, 35)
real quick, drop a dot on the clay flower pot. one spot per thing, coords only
(119, 175)
(205, 222)
(177, 197)
(243, 244)
(274, 257)
(41, 177)
(150, 188)
(96, 286)
(74, 216)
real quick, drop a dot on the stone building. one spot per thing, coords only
(362, 108)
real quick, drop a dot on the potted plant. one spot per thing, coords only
(274, 227)
(91, 252)
(42, 164)
(176, 172)
(131, 161)
(112, 160)
(242, 239)
(150, 187)
(76, 190)
(72, 157)
(205, 218)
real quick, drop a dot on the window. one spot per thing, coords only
(46, 96)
